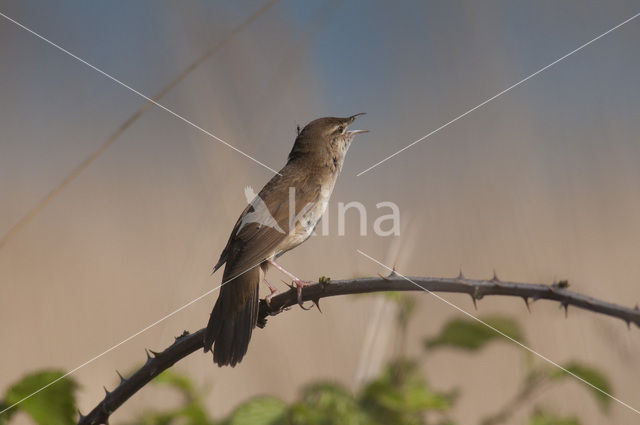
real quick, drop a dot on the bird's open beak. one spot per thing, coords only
(352, 119)
(354, 132)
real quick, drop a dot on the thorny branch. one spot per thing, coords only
(477, 289)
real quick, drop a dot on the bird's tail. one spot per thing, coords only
(233, 318)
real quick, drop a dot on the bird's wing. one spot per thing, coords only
(225, 252)
(256, 210)
(252, 243)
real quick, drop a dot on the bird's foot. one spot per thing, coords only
(297, 282)
(299, 285)
(267, 299)
(273, 290)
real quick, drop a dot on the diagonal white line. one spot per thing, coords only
(128, 338)
(500, 94)
(208, 133)
(501, 333)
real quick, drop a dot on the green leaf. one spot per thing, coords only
(545, 418)
(54, 405)
(327, 403)
(400, 395)
(468, 334)
(190, 414)
(593, 377)
(4, 417)
(326, 394)
(194, 414)
(259, 411)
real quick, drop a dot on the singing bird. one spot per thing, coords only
(282, 216)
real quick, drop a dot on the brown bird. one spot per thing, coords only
(281, 217)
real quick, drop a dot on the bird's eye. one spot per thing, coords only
(340, 129)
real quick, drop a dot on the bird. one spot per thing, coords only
(283, 215)
(259, 212)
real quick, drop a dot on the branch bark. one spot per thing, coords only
(477, 289)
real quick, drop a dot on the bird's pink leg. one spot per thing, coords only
(273, 290)
(298, 282)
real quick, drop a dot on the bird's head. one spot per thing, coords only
(326, 140)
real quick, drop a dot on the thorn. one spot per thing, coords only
(81, 416)
(526, 302)
(628, 323)
(475, 296)
(566, 309)
(393, 271)
(107, 393)
(316, 301)
(149, 357)
(460, 275)
(495, 277)
(290, 285)
(154, 353)
(121, 377)
(184, 333)
(476, 293)
(386, 278)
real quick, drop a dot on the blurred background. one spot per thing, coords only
(541, 184)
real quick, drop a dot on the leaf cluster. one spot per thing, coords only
(400, 394)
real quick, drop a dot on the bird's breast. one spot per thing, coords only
(312, 214)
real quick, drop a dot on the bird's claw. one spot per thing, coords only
(299, 285)
(273, 291)
(267, 299)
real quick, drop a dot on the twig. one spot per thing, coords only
(155, 364)
(477, 289)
